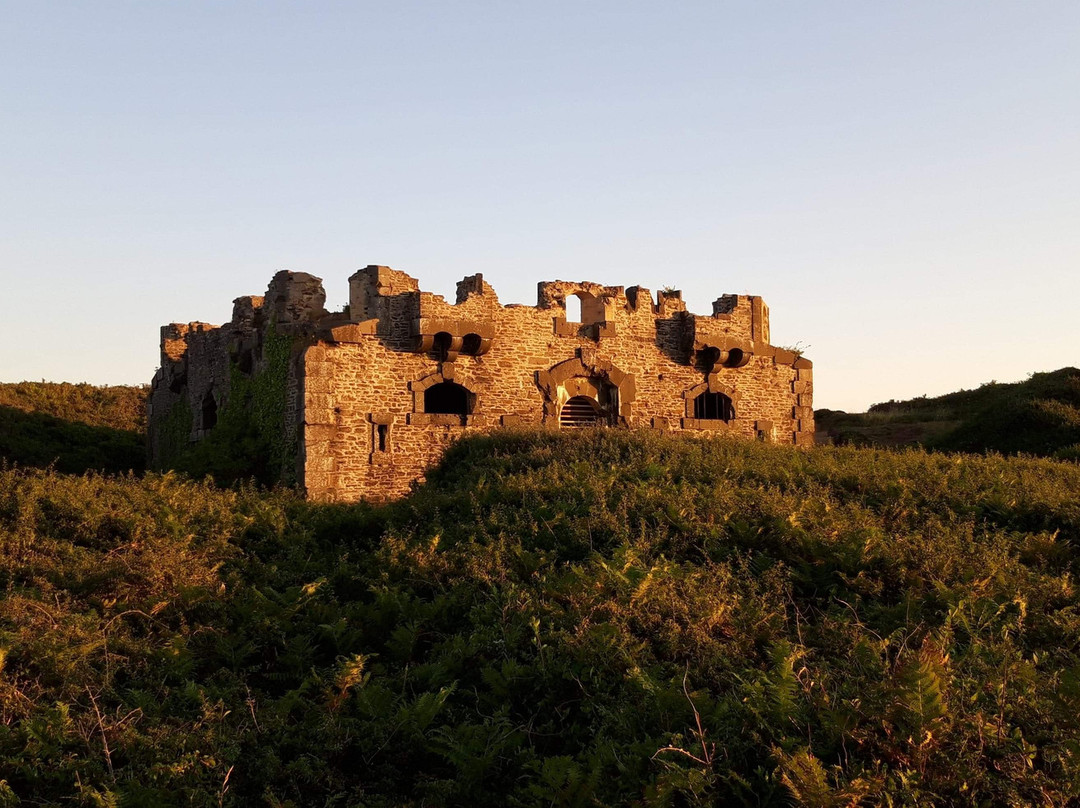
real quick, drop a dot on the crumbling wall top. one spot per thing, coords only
(474, 285)
(174, 339)
(553, 294)
(245, 310)
(295, 297)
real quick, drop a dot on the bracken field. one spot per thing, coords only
(601, 618)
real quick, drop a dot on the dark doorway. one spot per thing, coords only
(209, 411)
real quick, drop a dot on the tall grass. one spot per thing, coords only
(593, 619)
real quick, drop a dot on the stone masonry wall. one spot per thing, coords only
(360, 376)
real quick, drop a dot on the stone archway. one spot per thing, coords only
(612, 389)
(710, 405)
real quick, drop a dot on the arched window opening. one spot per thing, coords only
(471, 344)
(447, 398)
(209, 411)
(713, 407)
(441, 345)
(580, 411)
(573, 309)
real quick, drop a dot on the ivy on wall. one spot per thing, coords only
(264, 399)
(250, 439)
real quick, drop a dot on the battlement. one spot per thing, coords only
(373, 393)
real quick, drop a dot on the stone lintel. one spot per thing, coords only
(350, 332)
(706, 424)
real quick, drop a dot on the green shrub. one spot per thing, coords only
(73, 427)
(1039, 416)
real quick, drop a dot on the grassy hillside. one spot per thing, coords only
(1039, 416)
(588, 619)
(74, 427)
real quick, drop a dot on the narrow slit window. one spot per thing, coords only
(382, 437)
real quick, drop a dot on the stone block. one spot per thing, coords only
(784, 357)
(320, 463)
(318, 384)
(705, 424)
(315, 434)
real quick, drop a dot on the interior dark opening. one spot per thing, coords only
(580, 411)
(447, 397)
(209, 411)
(708, 357)
(470, 344)
(735, 358)
(246, 361)
(441, 346)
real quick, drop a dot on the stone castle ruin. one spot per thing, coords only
(358, 404)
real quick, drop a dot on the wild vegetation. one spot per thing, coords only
(1039, 416)
(73, 427)
(604, 618)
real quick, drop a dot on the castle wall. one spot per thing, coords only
(359, 379)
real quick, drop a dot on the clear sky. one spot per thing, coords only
(899, 180)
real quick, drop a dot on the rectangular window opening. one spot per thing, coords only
(382, 437)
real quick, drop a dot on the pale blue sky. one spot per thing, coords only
(900, 181)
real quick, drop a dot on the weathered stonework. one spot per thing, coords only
(374, 394)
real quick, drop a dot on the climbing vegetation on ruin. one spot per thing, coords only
(602, 618)
(250, 440)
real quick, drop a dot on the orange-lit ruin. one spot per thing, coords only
(369, 398)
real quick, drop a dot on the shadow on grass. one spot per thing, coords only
(35, 439)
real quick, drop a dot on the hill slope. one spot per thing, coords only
(1039, 416)
(587, 619)
(74, 426)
